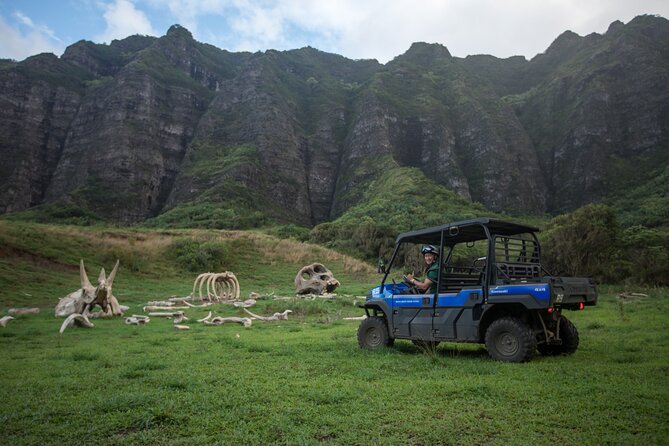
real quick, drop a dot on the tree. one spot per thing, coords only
(585, 242)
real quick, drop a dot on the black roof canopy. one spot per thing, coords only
(464, 231)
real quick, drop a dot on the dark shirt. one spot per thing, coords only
(433, 275)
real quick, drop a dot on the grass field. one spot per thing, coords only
(301, 381)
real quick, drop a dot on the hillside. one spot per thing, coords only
(39, 263)
(172, 132)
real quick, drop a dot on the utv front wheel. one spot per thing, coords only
(510, 339)
(373, 334)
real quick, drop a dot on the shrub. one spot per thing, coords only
(198, 255)
(583, 243)
(299, 233)
(647, 255)
(57, 213)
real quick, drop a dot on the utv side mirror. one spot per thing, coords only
(381, 266)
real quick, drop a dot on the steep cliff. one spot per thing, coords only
(600, 123)
(188, 134)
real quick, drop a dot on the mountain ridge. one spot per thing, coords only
(169, 126)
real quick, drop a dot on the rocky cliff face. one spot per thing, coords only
(35, 115)
(144, 125)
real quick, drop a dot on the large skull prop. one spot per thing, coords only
(315, 279)
(88, 296)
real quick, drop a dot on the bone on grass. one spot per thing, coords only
(137, 320)
(206, 318)
(76, 320)
(218, 320)
(179, 319)
(275, 317)
(20, 311)
(166, 314)
(160, 308)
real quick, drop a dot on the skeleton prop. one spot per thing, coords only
(76, 319)
(137, 320)
(175, 314)
(19, 311)
(220, 287)
(88, 297)
(218, 320)
(315, 279)
(275, 317)
(160, 307)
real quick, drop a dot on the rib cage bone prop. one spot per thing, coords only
(88, 296)
(221, 287)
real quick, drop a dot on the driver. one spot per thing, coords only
(430, 254)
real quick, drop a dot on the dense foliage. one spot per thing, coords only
(199, 255)
(397, 199)
(591, 242)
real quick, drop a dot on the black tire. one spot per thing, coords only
(569, 337)
(510, 339)
(373, 334)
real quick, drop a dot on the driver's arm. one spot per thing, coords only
(422, 285)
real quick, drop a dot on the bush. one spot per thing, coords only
(365, 238)
(295, 232)
(208, 215)
(589, 242)
(57, 213)
(647, 255)
(583, 243)
(198, 255)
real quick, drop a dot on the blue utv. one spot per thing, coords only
(491, 290)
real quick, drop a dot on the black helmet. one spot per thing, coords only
(429, 249)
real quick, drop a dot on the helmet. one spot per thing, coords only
(429, 249)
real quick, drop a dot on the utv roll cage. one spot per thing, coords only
(513, 252)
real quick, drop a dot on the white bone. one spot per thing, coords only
(19, 311)
(205, 318)
(76, 319)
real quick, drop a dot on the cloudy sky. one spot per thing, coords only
(357, 29)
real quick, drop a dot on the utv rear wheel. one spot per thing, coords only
(510, 339)
(373, 334)
(569, 338)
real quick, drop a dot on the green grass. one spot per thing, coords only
(301, 381)
(305, 381)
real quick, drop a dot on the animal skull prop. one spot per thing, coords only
(315, 279)
(88, 296)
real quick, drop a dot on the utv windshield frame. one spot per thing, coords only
(451, 234)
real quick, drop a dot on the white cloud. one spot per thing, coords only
(124, 20)
(383, 29)
(17, 44)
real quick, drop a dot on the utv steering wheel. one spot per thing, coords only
(413, 289)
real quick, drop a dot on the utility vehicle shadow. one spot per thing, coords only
(446, 350)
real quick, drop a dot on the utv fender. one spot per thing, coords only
(375, 306)
(528, 301)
